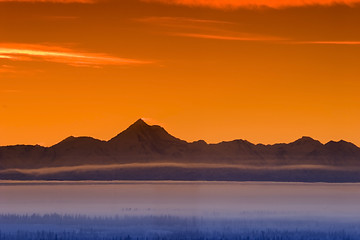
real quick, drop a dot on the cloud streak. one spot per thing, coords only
(209, 29)
(331, 42)
(36, 52)
(6, 68)
(245, 37)
(259, 38)
(180, 21)
(205, 29)
(221, 4)
(228, 4)
(51, 1)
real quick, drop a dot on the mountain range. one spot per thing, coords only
(144, 152)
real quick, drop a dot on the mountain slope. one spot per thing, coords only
(142, 143)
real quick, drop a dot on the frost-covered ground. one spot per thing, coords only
(172, 227)
(179, 210)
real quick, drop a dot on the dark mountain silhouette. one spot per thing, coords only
(144, 144)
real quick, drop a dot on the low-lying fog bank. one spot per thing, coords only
(180, 198)
(178, 210)
(189, 172)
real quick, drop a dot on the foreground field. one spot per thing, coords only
(178, 210)
(55, 227)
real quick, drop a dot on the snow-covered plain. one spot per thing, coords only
(179, 210)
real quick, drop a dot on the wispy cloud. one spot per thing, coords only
(330, 42)
(226, 4)
(205, 29)
(6, 68)
(239, 37)
(221, 4)
(52, 1)
(209, 29)
(5, 57)
(179, 21)
(37, 52)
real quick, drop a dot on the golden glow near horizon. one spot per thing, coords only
(265, 71)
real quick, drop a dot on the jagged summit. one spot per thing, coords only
(139, 123)
(72, 139)
(137, 127)
(305, 140)
(141, 131)
(82, 143)
(342, 145)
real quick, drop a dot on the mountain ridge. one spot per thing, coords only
(142, 122)
(143, 143)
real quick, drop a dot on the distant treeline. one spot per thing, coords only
(66, 227)
(252, 235)
(83, 220)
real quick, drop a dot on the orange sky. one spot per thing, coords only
(265, 71)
